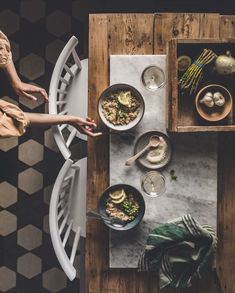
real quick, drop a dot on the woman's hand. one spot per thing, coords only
(27, 90)
(85, 126)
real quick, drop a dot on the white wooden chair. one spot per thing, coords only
(68, 94)
(67, 214)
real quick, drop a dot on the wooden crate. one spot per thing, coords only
(182, 115)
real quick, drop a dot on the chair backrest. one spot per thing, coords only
(67, 214)
(64, 94)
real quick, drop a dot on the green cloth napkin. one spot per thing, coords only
(181, 251)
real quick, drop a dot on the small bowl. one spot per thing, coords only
(121, 87)
(215, 113)
(143, 140)
(129, 189)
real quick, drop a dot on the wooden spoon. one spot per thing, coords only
(153, 142)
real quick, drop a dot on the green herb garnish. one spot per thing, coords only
(173, 176)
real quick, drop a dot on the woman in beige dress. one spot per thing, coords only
(13, 121)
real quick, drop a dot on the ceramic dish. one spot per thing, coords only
(114, 89)
(143, 141)
(215, 113)
(153, 78)
(128, 189)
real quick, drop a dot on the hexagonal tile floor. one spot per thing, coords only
(38, 31)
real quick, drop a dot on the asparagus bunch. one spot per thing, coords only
(194, 73)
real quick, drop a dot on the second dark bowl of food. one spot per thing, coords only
(121, 107)
(129, 191)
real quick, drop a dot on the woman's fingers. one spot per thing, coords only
(86, 126)
(90, 122)
(43, 94)
(31, 97)
(93, 134)
(89, 132)
(41, 91)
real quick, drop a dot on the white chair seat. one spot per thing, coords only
(67, 212)
(68, 94)
(77, 96)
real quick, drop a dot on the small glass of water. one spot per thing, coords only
(153, 183)
(153, 77)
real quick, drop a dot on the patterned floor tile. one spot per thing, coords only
(53, 50)
(54, 280)
(34, 184)
(58, 23)
(29, 265)
(9, 22)
(49, 140)
(32, 66)
(10, 100)
(30, 152)
(32, 10)
(8, 143)
(29, 237)
(8, 223)
(8, 194)
(7, 279)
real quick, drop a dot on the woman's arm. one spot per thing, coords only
(84, 126)
(21, 88)
(6, 63)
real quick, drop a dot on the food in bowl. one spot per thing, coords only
(122, 204)
(130, 203)
(214, 102)
(120, 108)
(158, 154)
(210, 100)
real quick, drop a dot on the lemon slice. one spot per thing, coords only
(124, 98)
(183, 63)
(117, 194)
(120, 199)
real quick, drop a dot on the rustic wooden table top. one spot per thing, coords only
(148, 34)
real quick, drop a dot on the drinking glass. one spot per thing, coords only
(153, 183)
(153, 77)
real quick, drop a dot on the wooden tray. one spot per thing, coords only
(182, 115)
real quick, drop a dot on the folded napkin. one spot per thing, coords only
(181, 251)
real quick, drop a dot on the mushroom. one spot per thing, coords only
(207, 100)
(219, 99)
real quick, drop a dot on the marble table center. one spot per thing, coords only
(194, 162)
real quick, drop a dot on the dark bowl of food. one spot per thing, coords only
(121, 107)
(124, 202)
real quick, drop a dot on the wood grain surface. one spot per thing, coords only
(148, 34)
(183, 26)
(110, 34)
(182, 113)
(226, 191)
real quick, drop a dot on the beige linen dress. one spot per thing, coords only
(13, 121)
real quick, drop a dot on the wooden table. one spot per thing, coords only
(148, 34)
